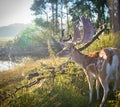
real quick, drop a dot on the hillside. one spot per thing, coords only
(11, 30)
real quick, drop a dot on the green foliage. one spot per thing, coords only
(104, 41)
(44, 24)
(26, 37)
(38, 6)
(92, 8)
(116, 40)
(32, 36)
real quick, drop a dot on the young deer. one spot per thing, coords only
(102, 66)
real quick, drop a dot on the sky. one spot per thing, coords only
(15, 11)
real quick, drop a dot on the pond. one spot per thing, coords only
(6, 65)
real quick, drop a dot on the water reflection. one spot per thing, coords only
(6, 65)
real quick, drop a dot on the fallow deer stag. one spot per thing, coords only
(102, 66)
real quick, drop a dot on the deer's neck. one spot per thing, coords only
(78, 57)
(83, 60)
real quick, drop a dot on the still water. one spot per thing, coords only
(6, 65)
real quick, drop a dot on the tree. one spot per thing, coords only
(96, 10)
(44, 24)
(91, 8)
(114, 10)
(41, 7)
(53, 8)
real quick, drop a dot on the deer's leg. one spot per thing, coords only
(115, 67)
(115, 85)
(90, 82)
(116, 82)
(97, 88)
(105, 86)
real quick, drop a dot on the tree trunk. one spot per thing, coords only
(56, 18)
(53, 19)
(61, 17)
(119, 13)
(114, 8)
(67, 20)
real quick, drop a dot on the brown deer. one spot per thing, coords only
(102, 66)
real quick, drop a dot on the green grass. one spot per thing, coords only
(104, 41)
(68, 90)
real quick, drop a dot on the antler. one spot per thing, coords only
(96, 36)
(88, 36)
(63, 39)
(77, 35)
(87, 28)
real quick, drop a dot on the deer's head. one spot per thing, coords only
(88, 32)
(67, 50)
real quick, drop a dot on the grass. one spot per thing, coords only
(5, 40)
(66, 90)
(69, 89)
(104, 41)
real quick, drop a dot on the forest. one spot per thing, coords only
(40, 78)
